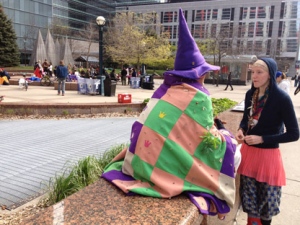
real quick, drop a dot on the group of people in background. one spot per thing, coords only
(41, 69)
(127, 73)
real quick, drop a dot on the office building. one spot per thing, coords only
(261, 28)
(248, 28)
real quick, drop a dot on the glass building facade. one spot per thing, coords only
(29, 16)
(256, 27)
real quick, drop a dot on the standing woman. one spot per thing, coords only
(267, 110)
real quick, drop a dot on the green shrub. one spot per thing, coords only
(79, 175)
(221, 105)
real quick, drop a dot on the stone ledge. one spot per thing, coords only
(68, 109)
(103, 203)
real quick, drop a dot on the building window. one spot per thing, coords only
(213, 30)
(259, 29)
(251, 30)
(258, 46)
(174, 32)
(244, 13)
(272, 12)
(270, 28)
(268, 47)
(279, 47)
(261, 13)
(252, 12)
(214, 14)
(200, 15)
(242, 29)
(282, 8)
(292, 28)
(280, 28)
(226, 14)
(291, 45)
(208, 14)
(167, 17)
(249, 47)
(199, 31)
(168, 29)
(226, 29)
(294, 10)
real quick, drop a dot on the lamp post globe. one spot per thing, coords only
(101, 22)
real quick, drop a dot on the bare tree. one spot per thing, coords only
(59, 29)
(131, 38)
(90, 34)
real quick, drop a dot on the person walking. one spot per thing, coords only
(297, 90)
(229, 82)
(267, 110)
(61, 73)
(123, 76)
(283, 82)
(296, 80)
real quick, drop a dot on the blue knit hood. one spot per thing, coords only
(272, 65)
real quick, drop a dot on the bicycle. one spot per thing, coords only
(47, 79)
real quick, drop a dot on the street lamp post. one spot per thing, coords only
(101, 22)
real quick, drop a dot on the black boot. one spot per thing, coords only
(265, 222)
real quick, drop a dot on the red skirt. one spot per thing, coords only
(262, 164)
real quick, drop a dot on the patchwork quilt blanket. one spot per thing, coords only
(175, 148)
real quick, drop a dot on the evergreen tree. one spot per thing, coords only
(9, 51)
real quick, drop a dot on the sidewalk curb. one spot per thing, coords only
(68, 109)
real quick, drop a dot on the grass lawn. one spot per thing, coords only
(20, 68)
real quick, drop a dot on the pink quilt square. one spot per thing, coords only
(166, 184)
(149, 145)
(126, 186)
(187, 133)
(180, 95)
(204, 176)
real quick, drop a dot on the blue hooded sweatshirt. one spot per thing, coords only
(278, 111)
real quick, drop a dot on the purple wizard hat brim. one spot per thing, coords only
(189, 62)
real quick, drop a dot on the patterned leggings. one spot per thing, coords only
(259, 199)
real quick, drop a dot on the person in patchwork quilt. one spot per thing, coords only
(176, 146)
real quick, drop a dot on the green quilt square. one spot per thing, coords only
(213, 157)
(142, 170)
(172, 158)
(200, 109)
(163, 117)
(114, 166)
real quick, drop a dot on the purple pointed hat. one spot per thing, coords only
(189, 62)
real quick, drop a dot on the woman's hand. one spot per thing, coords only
(253, 139)
(240, 136)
